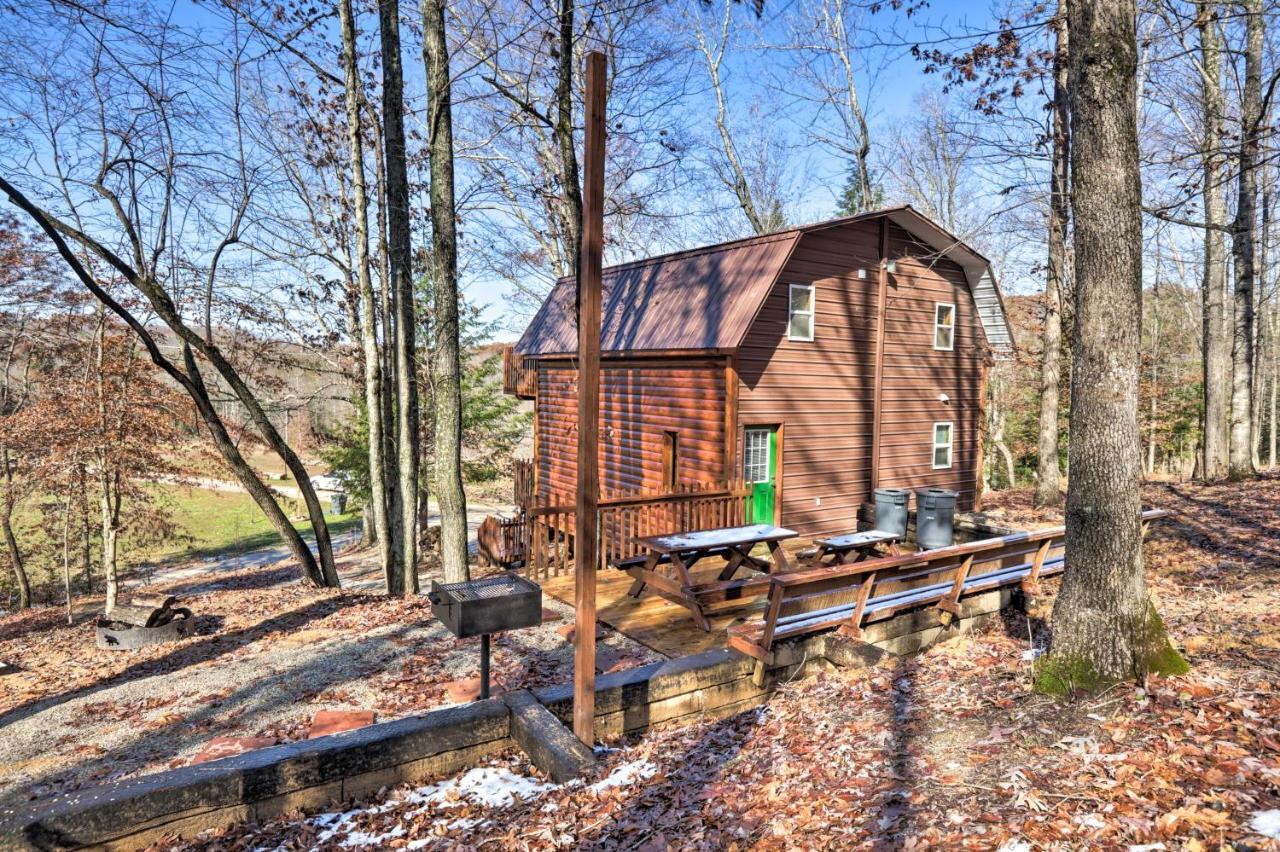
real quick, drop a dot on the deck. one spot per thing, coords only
(654, 621)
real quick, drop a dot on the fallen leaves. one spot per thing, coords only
(948, 749)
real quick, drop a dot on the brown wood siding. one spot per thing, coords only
(640, 400)
(821, 392)
(915, 374)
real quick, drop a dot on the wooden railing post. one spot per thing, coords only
(949, 606)
(854, 627)
(1031, 584)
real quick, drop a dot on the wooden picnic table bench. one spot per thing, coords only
(851, 547)
(828, 596)
(681, 551)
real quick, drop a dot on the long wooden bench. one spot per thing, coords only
(822, 598)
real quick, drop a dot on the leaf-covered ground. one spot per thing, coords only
(948, 749)
(268, 654)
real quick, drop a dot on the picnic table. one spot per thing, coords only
(681, 551)
(851, 548)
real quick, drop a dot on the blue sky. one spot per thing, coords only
(890, 95)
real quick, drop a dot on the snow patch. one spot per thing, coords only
(489, 786)
(485, 786)
(625, 774)
(1266, 823)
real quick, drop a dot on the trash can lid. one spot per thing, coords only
(893, 492)
(937, 492)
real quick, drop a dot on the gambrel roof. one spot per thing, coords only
(707, 298)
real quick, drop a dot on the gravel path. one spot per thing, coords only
(267, 656)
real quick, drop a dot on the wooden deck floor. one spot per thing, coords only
(654, 621)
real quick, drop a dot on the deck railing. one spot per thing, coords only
(624, 520)
(540, 539)
(523, 490)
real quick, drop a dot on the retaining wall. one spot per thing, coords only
(315, 774)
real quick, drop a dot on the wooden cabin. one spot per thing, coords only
(815, 363)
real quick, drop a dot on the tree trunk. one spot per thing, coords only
(391, 463)
(1262, 309)
(1105, 627)
(1155, 367)
(996, 424)
(1275, 381)
(400, 266)
(10, 540)
(388, 551)
(230, 452)
(66, 556)
(1049, 487)
(570, 188)
(1216, 358)
(86, 529)
(110, 533)
(445, 371)
(108, 478)
(1243, 234)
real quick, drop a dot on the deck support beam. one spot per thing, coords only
(587, 531)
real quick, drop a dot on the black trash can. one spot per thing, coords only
(891, 510)
(935, 517)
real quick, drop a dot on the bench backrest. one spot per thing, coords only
(819, 598)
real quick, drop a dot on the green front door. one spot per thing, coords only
(759, 460)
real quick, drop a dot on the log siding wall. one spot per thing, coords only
(821, 392)
(641, 399)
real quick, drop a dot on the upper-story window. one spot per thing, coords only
(944, 326)
(800, 312)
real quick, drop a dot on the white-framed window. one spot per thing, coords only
(944, 326)
(755, 455)
(942, 441)
(800, 312)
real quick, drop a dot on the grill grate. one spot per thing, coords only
(489, 587)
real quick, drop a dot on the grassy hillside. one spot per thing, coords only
(218, 522)
(209, 523)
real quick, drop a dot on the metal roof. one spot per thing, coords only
(707, 298)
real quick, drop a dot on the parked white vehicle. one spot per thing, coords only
(327, 482)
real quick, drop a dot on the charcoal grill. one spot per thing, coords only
(484, 607)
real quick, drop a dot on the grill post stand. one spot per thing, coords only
(484, 665)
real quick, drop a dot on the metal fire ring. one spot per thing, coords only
(117, 636)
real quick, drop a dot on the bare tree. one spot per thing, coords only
(1217, 361)
(445, 372)
(1048, 486)
(1243, 248)
(404, 528)
(932, 164)
(367, 322)
(1105, 627)
(761, 207)
(157, 211)
(826, 60)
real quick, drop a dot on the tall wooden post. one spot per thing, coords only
(586, 543)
